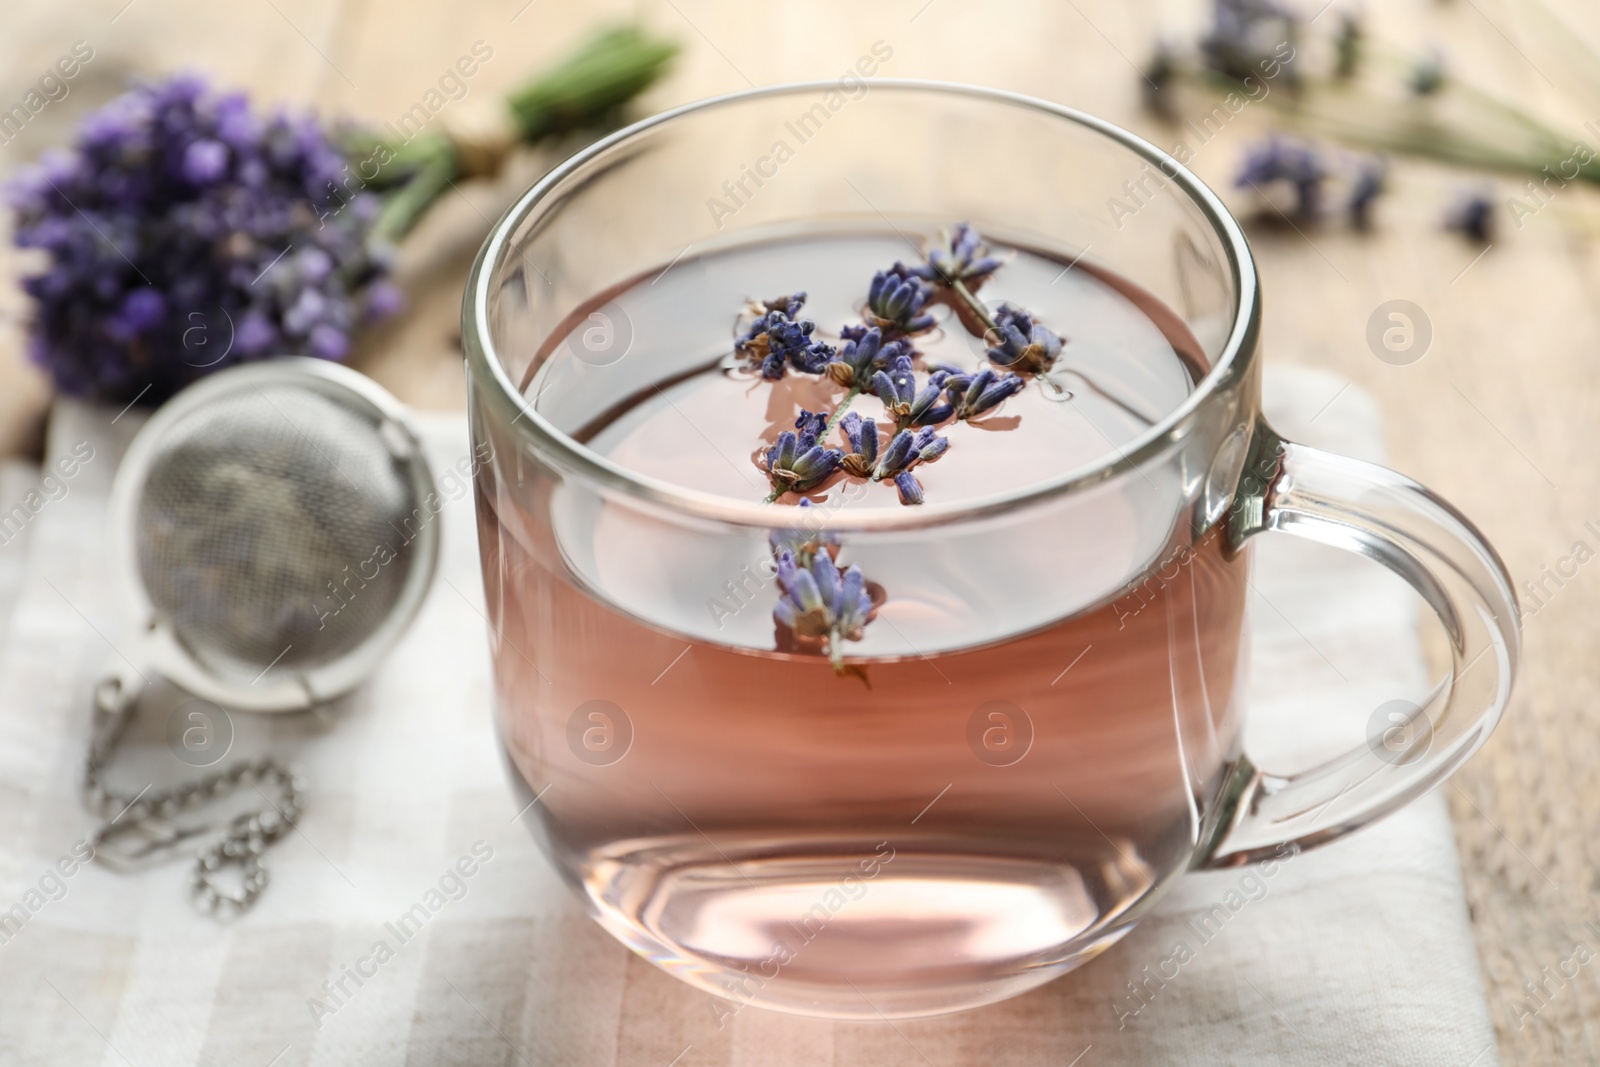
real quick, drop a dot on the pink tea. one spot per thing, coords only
(1012, 758)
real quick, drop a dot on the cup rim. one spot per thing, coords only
(484, 367)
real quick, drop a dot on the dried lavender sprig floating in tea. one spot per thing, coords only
(738, 422)
(689, 431)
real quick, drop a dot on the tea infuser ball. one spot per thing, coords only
(273, 526)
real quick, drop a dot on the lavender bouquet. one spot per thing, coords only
(186, 231)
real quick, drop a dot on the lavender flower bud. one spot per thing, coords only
(895, 300)
(1024, 345)
(1245, 34)
(797, 462)
(961, 256)
(852, 607)
(896, 387)
(926, 409)
(1368, 185)
(790, 304)
(1279, 160)
(862, 435)
(776, 340)
(384, 299)
(861, 356)
(801, 607)
(1472, 216)
(910, 489)
(803, 544)
(905, 452)
(205, 161)
(810, 424)
(974, 394)
(820, 602)
(896, 457)
(929, 446)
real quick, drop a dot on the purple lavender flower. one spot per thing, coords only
(896, 386)
(205, 161)
(927, 408)
(904, 452)
(861, 355)
(910, 489)
(862, 436)
(1427, 77)
(929, 446)
(1365, 190)
(897, 457)
(803, 544)
(384, 299)
(777, 339)
(182, 233)
(1023, 344)
(1472, 216)
(819, 602)
(787, 307)
(811, 423)
(1248, 35)
(790, 304)
(908, 449)
(895, 300)
(961, 256)
(1280, 160)
(792, 341)
(974, 394)
(797, 462)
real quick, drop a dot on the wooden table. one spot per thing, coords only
(1500, 416)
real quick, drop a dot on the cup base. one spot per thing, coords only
(872, 933)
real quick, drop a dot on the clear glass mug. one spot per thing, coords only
(991, 812)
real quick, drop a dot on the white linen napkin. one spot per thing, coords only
(17, 480)
(1359, 952)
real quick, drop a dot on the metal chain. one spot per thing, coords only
(149, 813)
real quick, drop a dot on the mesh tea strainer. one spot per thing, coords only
(273, 527)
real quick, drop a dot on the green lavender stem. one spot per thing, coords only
(1461, 124)
(973, 304)
(838, 412)
(586, 89)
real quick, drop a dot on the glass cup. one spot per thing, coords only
(1000, 804)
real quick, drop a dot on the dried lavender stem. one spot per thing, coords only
(973, 304)
(838, 412)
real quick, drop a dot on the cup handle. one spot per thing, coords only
(1373, 512)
